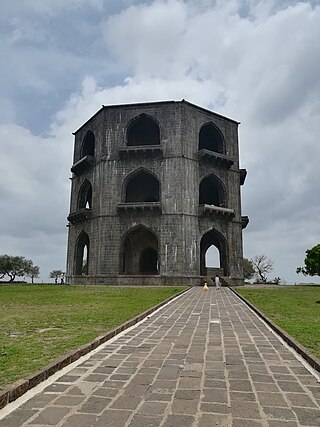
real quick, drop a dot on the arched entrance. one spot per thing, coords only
(216, 239)
(140, 252)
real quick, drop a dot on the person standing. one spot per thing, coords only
(217, 282)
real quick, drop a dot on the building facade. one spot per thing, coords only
(154, 186)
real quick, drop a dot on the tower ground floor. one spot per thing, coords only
(153, 249)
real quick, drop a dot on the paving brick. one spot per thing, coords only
(300, 399)
(39, 401)
(180, 406)
(113, 418)
(126, 402)
(189, 383)
(260, 378)
(274, 412)
(308, 416)
(240, 395)
(240, 385)
(68, 401)
(213, 420)
(94, 405)
(178, 421)
(241, 409)
(279, 423)
(293, 386)
(271, 387)
(56, 388)
(163, 386)
(153, 408)
(68, 378)
(16, 418)
(145, 421)
(51, 416)
(271, 399)
(80, 420)
(105, 392)
(214, 395)
(187, 394)
(246, 423)
(218, 408)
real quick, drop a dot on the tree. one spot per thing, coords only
(311, 262)
(248, 269)
(33, 272)
(262, 266)
(55, 274)
(14, 266)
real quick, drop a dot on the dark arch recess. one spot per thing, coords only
(85, 195)
(88, 144)
(142, 186)
(139, 254)
(143, 130)
(211, 138)
(212, 192)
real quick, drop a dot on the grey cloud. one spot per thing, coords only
(254, 61)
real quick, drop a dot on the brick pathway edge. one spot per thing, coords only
(313, 361)
(12, 391)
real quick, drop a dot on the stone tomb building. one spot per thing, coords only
(154, 186)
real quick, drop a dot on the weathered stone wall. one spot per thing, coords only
(178, 226)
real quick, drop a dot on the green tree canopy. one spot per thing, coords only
(33, 272)
(248, 269)
(311, 262)
(15, 266)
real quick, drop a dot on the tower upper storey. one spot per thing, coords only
(156, 129)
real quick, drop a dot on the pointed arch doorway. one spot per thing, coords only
(214, 249)
(140, 252)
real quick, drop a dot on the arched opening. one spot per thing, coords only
(142, 187)
(82, 254)
(210, 138)
(143, 131)
(217, 240)
(212, 257)
(149, 261)
(85, 196)
(211, 192)
(140, 252)
(88, 144)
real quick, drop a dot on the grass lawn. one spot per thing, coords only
(38, 323)
(296, 309)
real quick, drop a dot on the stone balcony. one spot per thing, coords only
(212, 210)
(82, 165)
(80, 215)
(139, 151)
(139, 206)
(217, 158)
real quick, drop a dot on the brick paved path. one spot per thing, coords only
(203, 360)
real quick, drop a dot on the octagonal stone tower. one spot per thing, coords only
(154, 186)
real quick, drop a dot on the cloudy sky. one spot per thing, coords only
(257, 61)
